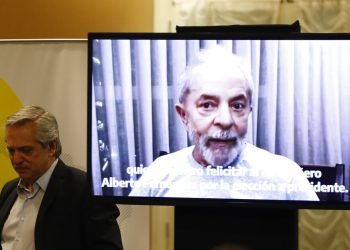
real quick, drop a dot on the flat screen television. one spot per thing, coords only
(263, 119)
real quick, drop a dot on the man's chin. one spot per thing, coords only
(221, 163)
(220, 158)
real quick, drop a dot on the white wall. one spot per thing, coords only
(54, 74)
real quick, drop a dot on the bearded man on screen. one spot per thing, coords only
(214, 105)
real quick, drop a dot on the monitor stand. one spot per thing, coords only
(235, 228)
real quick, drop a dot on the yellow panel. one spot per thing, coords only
(9, 103)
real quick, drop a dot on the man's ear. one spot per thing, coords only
(181, 111)
(52, 148)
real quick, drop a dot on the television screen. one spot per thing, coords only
(210, 118)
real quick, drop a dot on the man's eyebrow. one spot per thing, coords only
(216, 97)
(20, 148)
(239, 97)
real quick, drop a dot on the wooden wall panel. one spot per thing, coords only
(36, 19)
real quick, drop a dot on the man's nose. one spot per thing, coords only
(224, 117)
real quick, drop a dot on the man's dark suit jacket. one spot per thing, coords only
(68, 217)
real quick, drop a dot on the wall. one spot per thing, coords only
(53, 74)
(62, 66)
(73, 19)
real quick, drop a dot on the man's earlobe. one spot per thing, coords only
(182, 113)
(53, 148)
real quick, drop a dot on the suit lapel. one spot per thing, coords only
(52, 191)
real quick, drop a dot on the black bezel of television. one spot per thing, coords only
(133, 88)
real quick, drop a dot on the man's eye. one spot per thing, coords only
(238, 106)
(208, 105)
(26, 150)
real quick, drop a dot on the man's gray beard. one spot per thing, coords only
(226, 155)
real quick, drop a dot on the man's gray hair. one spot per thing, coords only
(216, 58)
(46, 124)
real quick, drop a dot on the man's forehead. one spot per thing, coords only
(206, 75)
(218, 87)
(218, 69)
